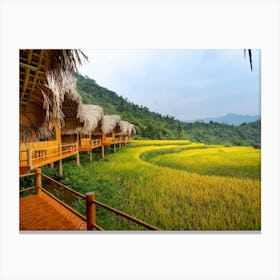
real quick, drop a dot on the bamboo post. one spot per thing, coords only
(78, 154)
(91, 210)
(52, 165)
(102, 147)
(60, 170)
(38, 180)
(29, 156)
(91, 146)
(115, 150)
(78, 159)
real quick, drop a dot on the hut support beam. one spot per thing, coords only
(78, 159)
(60, 170)
(90, 155)
(115, 150)
(102, 151)
(29, 156)
(52, 165)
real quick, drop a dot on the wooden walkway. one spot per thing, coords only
(41, 212)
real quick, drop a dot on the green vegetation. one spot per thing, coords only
(150, 125)
(169, 198)
(245, 134)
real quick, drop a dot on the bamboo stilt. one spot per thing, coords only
(102, 151)
(29, 156)
(60, 170)
(78, 159)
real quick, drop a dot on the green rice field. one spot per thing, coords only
(174, 185)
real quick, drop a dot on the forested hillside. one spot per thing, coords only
(217, 133)
(148, 124)
(151, 125)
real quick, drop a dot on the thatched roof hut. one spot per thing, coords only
(110, 123)
(127, 128)
(124, 127)
(92, 116)
(131, 129)
(39, 71)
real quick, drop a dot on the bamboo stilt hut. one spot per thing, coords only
(40, 112)
(127, 130)
(110, 128)
(93, 119)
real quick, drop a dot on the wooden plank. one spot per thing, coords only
(42, 212)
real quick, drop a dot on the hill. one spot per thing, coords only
(216, 133)
(151, 125)
(234, 119)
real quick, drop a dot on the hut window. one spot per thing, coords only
(109, 135)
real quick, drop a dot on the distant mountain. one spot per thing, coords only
(232, 119)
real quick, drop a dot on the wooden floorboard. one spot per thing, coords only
(41, 212)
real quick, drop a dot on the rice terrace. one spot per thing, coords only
(94, 160)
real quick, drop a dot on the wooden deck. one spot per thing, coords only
(41, 212)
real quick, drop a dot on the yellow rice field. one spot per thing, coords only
(152, 184)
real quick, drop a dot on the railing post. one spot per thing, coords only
(38, 180)
(91, 210)
(29, 156)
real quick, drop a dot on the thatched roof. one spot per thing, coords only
(131, 129)
(92, 116)
(110, 123)
(124, 127)
(39, 71)
(127, 128)
(70, 103)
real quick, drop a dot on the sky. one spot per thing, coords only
(186, 84)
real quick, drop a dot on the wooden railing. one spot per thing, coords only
(89, 198)
(39, 153)
(96, 143)
(86, 143)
